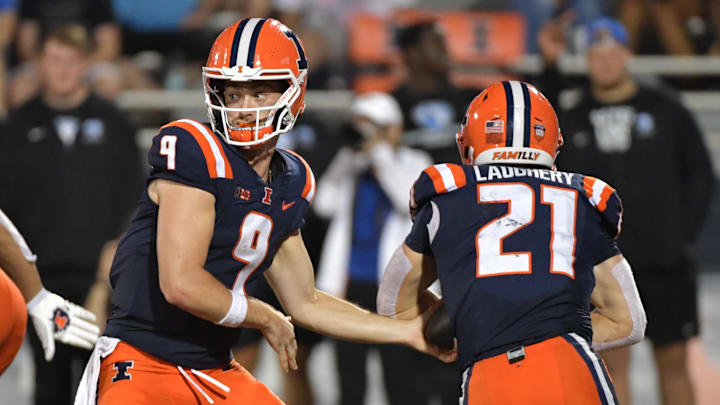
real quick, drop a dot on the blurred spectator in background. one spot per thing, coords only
(318, 29)
(365, 194)
(178, 30)
(672, 27)
(38, 17)
(538, 12)
(69, 175)
(7, 30)
(647, 144)
(714, 14)
(432, 106)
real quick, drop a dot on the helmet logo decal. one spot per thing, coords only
(505, 155)
(539, 131)
(301, 61)
(494, 127)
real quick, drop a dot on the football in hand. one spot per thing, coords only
(439, 329)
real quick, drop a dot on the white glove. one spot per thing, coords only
(57, 318)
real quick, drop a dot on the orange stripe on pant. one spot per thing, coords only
(552, 373)
(131, 376)
(12, 321)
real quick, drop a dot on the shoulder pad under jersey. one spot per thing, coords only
(436, 179)
(303, 179)
(189, 150)
(605, 200)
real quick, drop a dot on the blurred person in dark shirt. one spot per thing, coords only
(70, 174)
(36, 18)
(431, 104)
(648, 145)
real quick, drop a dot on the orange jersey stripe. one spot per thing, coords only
(588, 185)
(211, 157)
(436, 178)
(204, 145)
(604, 197)
(308, 192)
(459, 175)
(219, 143)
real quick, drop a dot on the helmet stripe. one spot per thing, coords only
(510, 114)
(528, 105)
(236, 42)
(244, 43)
(253, 42)
(518, 119)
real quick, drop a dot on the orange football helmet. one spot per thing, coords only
(256, 49)
(510, 122)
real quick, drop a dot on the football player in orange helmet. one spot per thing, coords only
(532, 278)
(253, 50)
(223, 207)
(510, 122)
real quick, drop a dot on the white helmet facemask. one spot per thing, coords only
(270, 121)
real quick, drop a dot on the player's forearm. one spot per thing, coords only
(606, 329)
(17, 261)
(197, 292)
(22, 272)
(340, 319)
(192, 294)
(619, 317)
(259, 314)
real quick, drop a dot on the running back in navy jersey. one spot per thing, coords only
(252, 219)
(514, 249)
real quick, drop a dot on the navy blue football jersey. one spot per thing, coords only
(252, 219)
(514, 249)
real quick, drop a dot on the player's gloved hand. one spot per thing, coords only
(57, 318)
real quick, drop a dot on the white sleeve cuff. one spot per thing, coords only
(397, 269)
(624, 276)
(237, 312)
(37, 298)
(24, 248)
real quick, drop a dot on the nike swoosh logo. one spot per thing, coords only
(285, 205)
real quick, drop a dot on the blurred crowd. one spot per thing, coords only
(418, 64)
(158, 44)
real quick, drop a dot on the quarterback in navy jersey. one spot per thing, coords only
(531, 276)
(222, 207)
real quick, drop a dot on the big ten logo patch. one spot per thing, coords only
(122, 368)
(242, 193)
